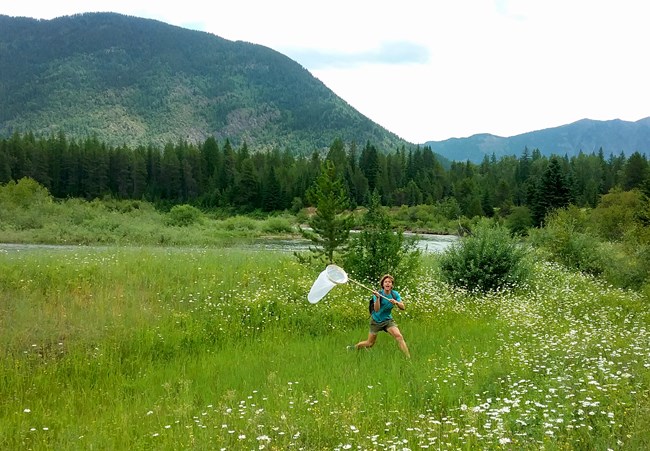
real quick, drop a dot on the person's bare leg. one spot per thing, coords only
(367, 343)
(394, 331)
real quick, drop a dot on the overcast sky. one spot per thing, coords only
(432, 70)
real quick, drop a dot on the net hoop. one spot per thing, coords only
(336, 274)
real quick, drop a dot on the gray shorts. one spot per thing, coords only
(376, 327)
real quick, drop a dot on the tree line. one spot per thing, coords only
(218, 175)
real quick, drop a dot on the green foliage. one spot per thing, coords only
(616, 213)
(552, 191)
(519, 221)
(24, 205)
(25, 193)
(331, 224)
(184, 215)
(239, 224)
(113, 221)
(624, 267)
(566, 240)
(377, 249)
(130, 80)
(277, 225)
(611, 241)
(427, 218)
(488, 260)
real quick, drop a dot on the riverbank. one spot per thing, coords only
(33, 216)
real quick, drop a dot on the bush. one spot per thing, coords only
(277, 225)
(519, 220)
(616, 213)
(488, 260)
(184, 215)
(566, 240)
(239, 224)
(24, 194)
(25, 205)
(625, 268)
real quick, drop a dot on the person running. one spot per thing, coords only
(381, 318)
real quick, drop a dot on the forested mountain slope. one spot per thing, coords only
(133, 81)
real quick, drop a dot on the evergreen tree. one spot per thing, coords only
(377, 249)
(192, 171)
(171, 175)
(247, 192)
(139, 173)
(635, 171)
(336, 155)
(228, 173)
(120, 181)
(369, 165)
(331, 224)
(413, 195)
(5, 167)
(272, 199)
(552, 192)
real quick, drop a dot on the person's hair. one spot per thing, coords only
(384, 277)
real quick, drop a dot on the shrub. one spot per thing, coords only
(625, 268)
(25, 205)
(277, 225)
(184, 215)
(24, 194)
(488, 260)
(519, 220)
(566, 240)
(616, 213)
(240, 224)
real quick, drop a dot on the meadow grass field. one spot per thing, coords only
(204, 348)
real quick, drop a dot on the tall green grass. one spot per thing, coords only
(141, 348)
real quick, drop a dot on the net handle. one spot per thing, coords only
(347, 278)
(367, 288)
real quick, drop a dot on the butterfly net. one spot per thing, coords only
(332, 275)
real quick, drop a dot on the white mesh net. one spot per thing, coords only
(332, 275)
(320, 288)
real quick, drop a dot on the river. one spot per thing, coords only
(426, 243)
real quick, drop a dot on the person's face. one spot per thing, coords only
(387, 284)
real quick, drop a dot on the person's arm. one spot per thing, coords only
(398, 302)
(377, 304)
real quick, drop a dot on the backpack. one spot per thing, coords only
(371, 302)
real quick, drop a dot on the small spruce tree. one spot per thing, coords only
(377, 249)
(330, 225)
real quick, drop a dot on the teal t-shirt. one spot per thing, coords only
(385, 307)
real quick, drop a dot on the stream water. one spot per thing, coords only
(426, 243)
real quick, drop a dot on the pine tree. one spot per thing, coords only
(378, 249)
(551, 193)
(635, 171)
(330, 225)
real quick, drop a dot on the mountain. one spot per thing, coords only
(133, 81)
(586, 135)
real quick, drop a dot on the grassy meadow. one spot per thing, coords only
(206, 348)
